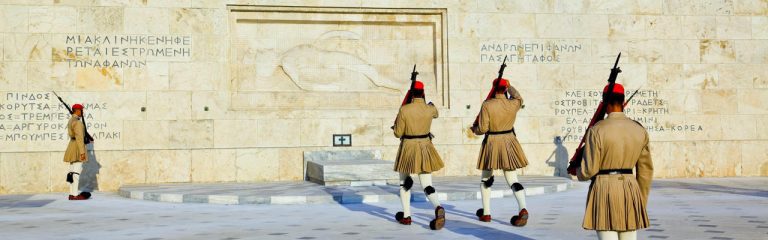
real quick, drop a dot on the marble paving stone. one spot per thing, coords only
(450, 188)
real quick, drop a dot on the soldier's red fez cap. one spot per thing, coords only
(503, 83)
(77, 106)
(418, 85)
(617, 88)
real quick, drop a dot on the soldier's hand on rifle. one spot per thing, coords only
(82, 157)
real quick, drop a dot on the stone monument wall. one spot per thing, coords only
(236, 90)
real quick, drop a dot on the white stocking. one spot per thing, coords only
(75, 168)
(628, 235)
(405, 196)
(607, 235)
(511, 177)
(485, 192)
(426, 181)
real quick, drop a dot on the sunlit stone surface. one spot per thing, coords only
(237, 91)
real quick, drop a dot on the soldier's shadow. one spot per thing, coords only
(89, 181)
(561, 159)
(458, 221)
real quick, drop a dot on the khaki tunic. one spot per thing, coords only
(416, 155)
(501, 151)
(617, 202)
(76, 132)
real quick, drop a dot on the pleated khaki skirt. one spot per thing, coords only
(501, 151)
(417, 156)
(615, 203)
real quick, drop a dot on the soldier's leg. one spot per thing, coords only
(406, 182)
(628, 235)
(485, 191)
(607, 235)
(521, 219)
(74, 175)
(517, 188)
(426, 181)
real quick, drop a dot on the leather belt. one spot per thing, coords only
(428, 135)
(501, 132)
(614, 171)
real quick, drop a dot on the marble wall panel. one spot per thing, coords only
(318, 132)
(750, 7)
(169, 166)
(147, 20)
(664, 27)
(48, 19)
(752, 101)
(117, 168)
(753, 155)
(760, 27)
(446, 131)
(257, 165)
(28, 47)
(739, 127)
(627, 26)
(193, 134)
(100, 20)
(13, 76)
(169, 105)
(571, 26)
(25, 172)
(750, 51)
(734, 27)
(235, 133)
(214, 165)
(699, 27)
(146, 135)
(15, 18)
(280, 133)
(365, 132)
(290, 164)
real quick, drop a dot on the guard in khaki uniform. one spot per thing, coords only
(417, 155)
(76, 153)
(500, 149)
(617, 199)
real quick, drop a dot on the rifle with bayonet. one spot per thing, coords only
(493, 89)
(407, 98)
(599, 115)
(631, 96)
(88, 138)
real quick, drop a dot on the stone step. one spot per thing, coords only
(348, 168)
(351, 172)
(448, 189)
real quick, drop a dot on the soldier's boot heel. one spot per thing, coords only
(439, 221)
(521, 219)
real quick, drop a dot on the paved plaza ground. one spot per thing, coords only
(710, 208)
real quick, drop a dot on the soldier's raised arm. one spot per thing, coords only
(645, 170)
(435, 113)
(592, 158)
(514, 94)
